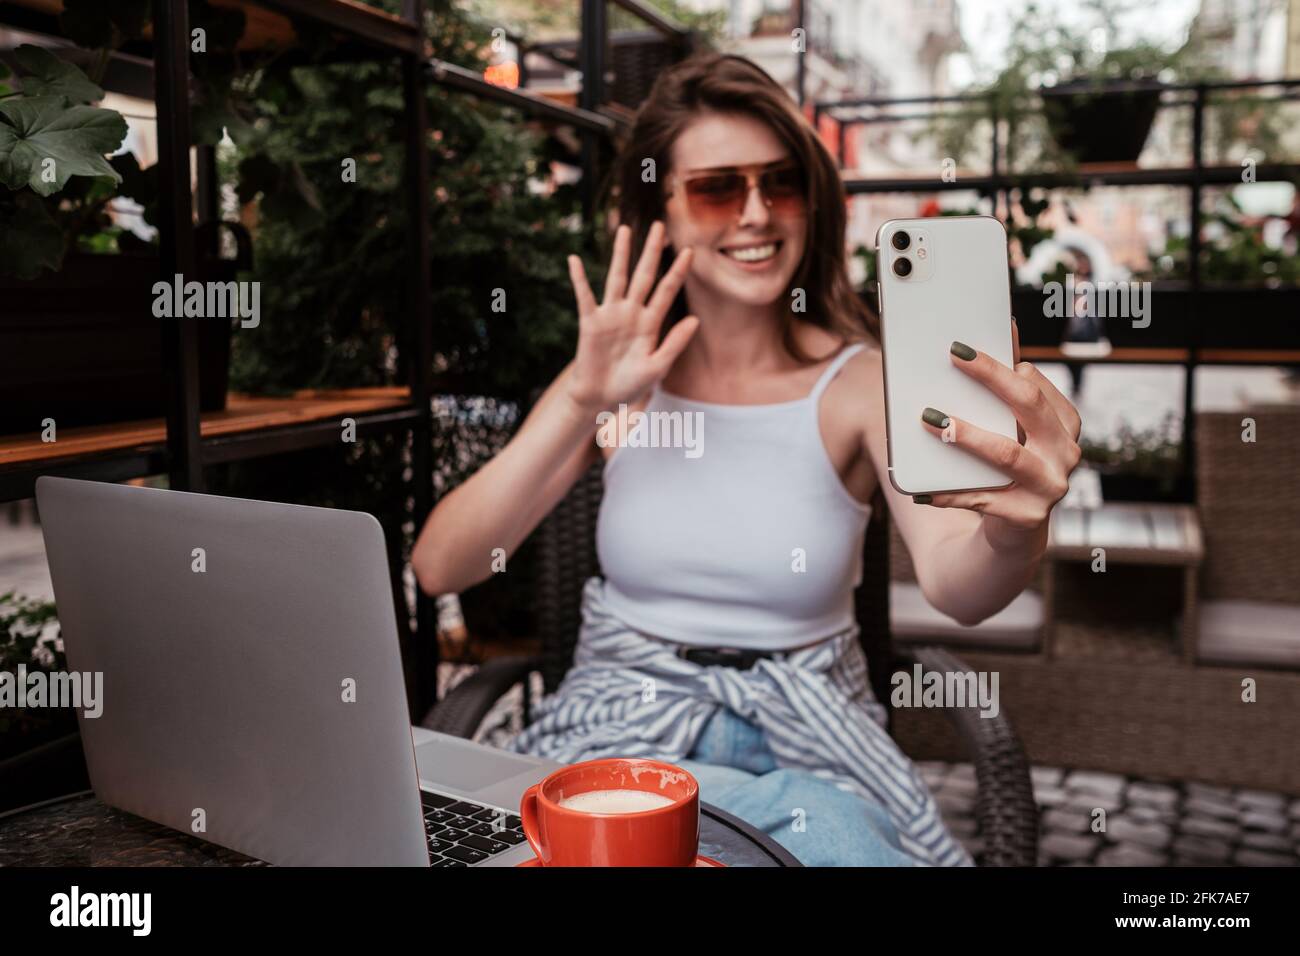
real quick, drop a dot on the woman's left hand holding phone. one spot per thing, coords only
(1039, 468)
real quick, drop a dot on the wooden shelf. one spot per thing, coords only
(1165, 356)
(1249, 356)
(1093, 174)
(245, 415)
(268, 23)
(1050, 353)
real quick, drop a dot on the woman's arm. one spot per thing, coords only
(501, 504)
(973, 552)
(619, 357)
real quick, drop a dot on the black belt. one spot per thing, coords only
(723, 656)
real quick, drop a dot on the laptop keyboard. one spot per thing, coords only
(462, 833)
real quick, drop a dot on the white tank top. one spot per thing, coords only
(745, 538)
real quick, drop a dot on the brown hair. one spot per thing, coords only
(726, 83)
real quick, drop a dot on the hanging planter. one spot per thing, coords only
(1094, 123)
(1069, 94)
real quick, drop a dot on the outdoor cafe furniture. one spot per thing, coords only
(1005, 809)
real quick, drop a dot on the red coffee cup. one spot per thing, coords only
(663, 836)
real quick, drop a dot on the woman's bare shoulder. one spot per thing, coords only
(856, 395)
(861, 373)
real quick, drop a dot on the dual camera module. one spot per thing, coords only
(902, 265)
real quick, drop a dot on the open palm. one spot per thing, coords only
(619, 353)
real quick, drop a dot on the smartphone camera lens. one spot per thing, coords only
(902, 268)
(901, 240)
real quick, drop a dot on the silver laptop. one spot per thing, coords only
(253, 692)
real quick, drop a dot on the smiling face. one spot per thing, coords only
(752, 255)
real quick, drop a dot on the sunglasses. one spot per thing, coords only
(718, 198)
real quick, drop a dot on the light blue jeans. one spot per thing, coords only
(815, 820)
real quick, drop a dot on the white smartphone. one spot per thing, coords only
(941, 280)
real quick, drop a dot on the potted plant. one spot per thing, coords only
(79, 343)
(40, 748)
(1250, 290)
(1138, 464)
(1089, 109)
(50, 133)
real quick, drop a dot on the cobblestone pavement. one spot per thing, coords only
(1145, 823)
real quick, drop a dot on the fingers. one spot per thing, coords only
(668, 287)
(1026, 399)
(581, 289)
(1013, 459)
(616, 280)
(978, 501)
(1020, 508)
(648, 266)
(1065, 411)
(1015, 360)
(678, 337)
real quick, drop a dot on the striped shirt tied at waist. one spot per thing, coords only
(630, 695)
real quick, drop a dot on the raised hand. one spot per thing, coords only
(619, 353)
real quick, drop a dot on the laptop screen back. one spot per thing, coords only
(253, 692)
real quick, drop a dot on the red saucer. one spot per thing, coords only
(704, 861)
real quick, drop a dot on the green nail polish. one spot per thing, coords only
(962, 351)
(923, 499)
(932, 416)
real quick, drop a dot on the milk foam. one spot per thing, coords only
(616, 801)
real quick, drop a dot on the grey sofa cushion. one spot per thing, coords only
(1249, 632)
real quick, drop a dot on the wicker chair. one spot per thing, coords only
(1248, 497)
(1005, 808)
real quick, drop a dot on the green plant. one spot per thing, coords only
(43, 219)
(25, 636)
(1154, 452)
(709, 25)
(868, 257)
(29, 636)
(216, 65)
(1238, 123)
(1044, 52)
(1237, 253)
(550, 19)
(1025, 228)
(332, 253)
(334, 262)
(49, 133)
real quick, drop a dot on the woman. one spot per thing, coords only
(722, 636)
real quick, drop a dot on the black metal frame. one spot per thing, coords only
(999, 183)
(176, 239)
(185, 452)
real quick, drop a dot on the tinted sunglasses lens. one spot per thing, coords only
(784, 188)
(722, 196)
(716, 196)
